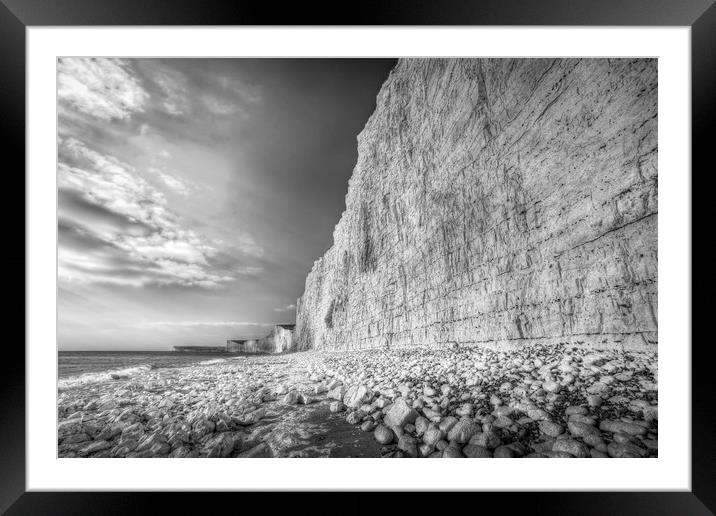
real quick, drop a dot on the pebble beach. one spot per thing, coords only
(456, 402)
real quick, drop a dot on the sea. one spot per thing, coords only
(82, 367)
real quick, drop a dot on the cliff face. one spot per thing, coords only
(497, 201)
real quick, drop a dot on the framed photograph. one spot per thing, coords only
(292, 247)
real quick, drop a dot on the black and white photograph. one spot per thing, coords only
(412, 257)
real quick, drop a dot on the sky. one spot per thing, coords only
(194, 195)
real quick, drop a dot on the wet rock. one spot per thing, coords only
(337, 393)
(291, 398)
(336, 406)
(400, 414)
(355, 417)
(383, 434)
(305, 399)
(356, 396)
(368, 426)
(408, 445)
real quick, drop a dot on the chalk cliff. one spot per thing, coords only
(497, 202)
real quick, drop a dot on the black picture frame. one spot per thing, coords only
(17, 15)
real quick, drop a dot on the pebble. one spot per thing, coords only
(625, 450)
(408, 445)
(452, 452)
(466, 409)
(400, 414)
(572, 447)
(95, 447)
(505, 452)
(575, 410)
(355, 417)
(433, 434)
(550, 428)
(337, 393)
(291, 398)
(550, 386)
(421, 425)
(368, 426)
(220, 445)
(355, 396)
(579, 429)
(447, 423)
(383, 434)
(443, 401)
(475, 451)
(621, 426)
(462, 431)
(487, 439)
(594, 401)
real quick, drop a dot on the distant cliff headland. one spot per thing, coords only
(498, 202)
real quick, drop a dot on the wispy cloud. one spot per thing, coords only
(230, 96)
(174, 86)
(249, 94)
(103, 88)
(141, 241)
(286, 308)
(177, 185)
(221, 107)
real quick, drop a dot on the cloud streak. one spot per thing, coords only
(136, 240)
(174, 86)
(103, 88)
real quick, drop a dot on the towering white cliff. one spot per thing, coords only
(497, 201)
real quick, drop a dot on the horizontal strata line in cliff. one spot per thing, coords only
(497, 201)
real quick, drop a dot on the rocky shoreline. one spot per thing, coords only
(423, 402)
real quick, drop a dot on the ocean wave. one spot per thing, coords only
(102, 376)
(213, 361)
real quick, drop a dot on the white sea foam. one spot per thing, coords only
(101, 376)
(213, 361)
